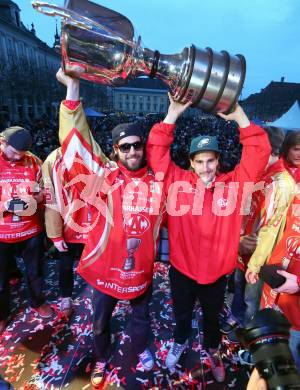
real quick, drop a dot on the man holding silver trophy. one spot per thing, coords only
(204, 219)
(119, 253)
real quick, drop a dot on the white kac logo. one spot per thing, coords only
(203, 142)
(222, 202)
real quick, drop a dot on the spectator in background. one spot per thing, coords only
(287, 256)
(262, 228)
(20, 225)
(291, 154)
(287, 253)
(67, 220)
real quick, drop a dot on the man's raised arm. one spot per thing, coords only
(161, 138)
(81, 153)
(256, 147)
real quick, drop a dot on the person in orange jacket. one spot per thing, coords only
(287, 253)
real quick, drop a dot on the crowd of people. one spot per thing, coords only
(45, 135)
(227, 196)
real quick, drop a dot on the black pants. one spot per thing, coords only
(66, 275)
(185, 291)
(32, 253)
(103, 306)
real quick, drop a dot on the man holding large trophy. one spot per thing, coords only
(100, 45)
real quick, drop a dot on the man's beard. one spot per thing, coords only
(140, 164)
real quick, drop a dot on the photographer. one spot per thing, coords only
(20, 223)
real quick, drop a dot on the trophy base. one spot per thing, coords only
(128, 264)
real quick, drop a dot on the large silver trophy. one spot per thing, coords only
(105, 44)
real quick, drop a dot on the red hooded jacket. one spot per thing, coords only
(126, 210)
(204, 223)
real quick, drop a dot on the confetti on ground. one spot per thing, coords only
(37, 354)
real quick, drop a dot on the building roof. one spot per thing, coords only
(24, 30)
(9, 2)
(280, 91)
(272, 101)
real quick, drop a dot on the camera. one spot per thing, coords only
(266, 336)
(17, 204)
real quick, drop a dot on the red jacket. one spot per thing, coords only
(19, 179)
(120, 249)
(204, 240)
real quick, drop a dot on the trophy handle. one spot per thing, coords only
(41, 6)
(69, 15)
(74, 18)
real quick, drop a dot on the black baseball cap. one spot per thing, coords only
(125, 130)
(204, 143)
(17, 137)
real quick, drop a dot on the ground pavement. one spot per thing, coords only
(54, 354)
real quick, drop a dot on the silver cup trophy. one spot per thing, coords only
(132, 245)
(104, 43)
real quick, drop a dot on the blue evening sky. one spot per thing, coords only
(266, 32)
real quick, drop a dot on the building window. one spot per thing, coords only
(141, 106)
(2, 47)
(17, 18)
(10, 48)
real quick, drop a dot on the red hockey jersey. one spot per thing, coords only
(20, 179)
(120, 250)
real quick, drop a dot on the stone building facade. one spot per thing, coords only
(141, 96)
(27, 68)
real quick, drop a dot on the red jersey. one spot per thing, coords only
(287, 254)
(204, 223)
(120, 249)
(19, 179)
